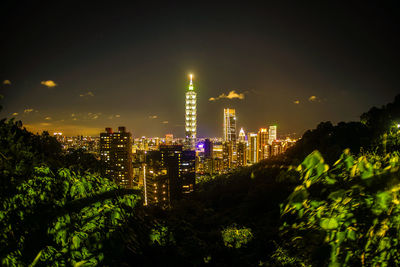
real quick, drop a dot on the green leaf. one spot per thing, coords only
(367, 173)
(329, 224)
(76, 241)
(337, 195)
(315, 203)
(382, 200)
(334, 264)
(351, 235)
(36, 259)
(78, 264)
(329, 180)
(340, 236)
(321, 169)
(115, 215)
(299, 196)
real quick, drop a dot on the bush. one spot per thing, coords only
(235, 237)
(347, 215)
(63, 219)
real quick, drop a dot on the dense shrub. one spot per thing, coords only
(64, 219)
(347, 214)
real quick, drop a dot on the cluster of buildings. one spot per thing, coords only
(167, 168)
(88, 143)
(233, 151)
(166, 174)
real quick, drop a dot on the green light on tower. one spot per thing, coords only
(191, 88)
(190, 115)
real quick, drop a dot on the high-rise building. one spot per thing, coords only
(218, 165)
(180, 166)
(261, 143)
(227, 155)
(190, 116)
(188, 171)
(156, 187)
(229, 125)
(253, 147)
(241, 154)
(242, 135)
(276, 148)
(208, 149)
(116, 152)
(272, 134)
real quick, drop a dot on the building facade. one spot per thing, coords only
(229, 125)
(190, 116)
(156, 188)
(242, 135)
(116, 153)
(180, 167)
(253, 147)
(208, 149)
(262, 142)
(241, 154)
(227, 155)
(272, 134)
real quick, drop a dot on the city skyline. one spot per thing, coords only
(190, 121)
(126, 65)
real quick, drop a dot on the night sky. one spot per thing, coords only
(79, 67)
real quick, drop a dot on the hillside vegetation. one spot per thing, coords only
(319, 204)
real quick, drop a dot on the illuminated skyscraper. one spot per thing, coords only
(253, 155)
(242, 149)
(229, 125)
(156, 187)
(190, 116)
(227, 155)
(180, 166)
(272, 134)
(241, 154)
(261, 143)
(242, 135)
(116, 153)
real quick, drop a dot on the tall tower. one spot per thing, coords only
(253, 155)
(262, 141)
(242, 136)
(190, 116)
(229, 125)
(272, 134)
(116, 153)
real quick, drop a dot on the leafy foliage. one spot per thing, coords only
(379, 120)
(330, 140)
(80, 160)
(160, 235)
(368, 134)
(20, 151)
(63, 218)
(343, 213)
(248, 197)
(349, 213)
(235, 237)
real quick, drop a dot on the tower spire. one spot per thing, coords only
(191, 82)
(190, 117)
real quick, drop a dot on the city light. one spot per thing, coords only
(191, 155)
